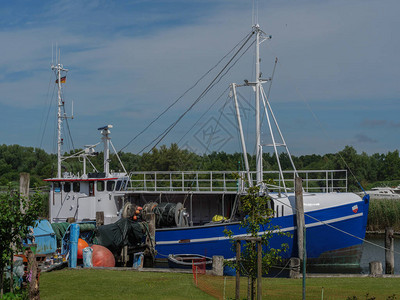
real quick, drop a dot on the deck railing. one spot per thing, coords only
(229, 181)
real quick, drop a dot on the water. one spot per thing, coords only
(373, 253)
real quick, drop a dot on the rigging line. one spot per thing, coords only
(48, 114)
(165, 132)
(270, 85)
(321, 127)
(205, 92)
(47, 101)
(248, 103)
(188, 90)
(69, 131)
(216, 125)
(335, 228)
(198, 120)
(209, 87)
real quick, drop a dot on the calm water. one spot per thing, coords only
(373, 253)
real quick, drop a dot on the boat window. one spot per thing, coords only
(100, 186)
(76, 187)
(57, 187)
(67, 187)
(110, 185)
(91, 188)
(118, 185)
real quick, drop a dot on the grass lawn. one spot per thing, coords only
(110, 284)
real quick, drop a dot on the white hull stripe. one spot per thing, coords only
(220, 238)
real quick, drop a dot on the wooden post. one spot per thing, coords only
(294, 268)
(33, 272)
(218, 265)
(150, 218)
(237, 296)
(375, 268)
(389, 251)
(24, 179)
(259, 271)
(99, 218)
(299, 215)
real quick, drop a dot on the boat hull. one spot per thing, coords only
(334, 236)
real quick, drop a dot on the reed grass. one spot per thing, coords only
(382, 214)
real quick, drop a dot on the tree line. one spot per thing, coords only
(368, 169)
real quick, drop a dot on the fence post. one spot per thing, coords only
(389, 250)
(237, 296)
(299, 215)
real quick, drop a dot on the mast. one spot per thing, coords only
(58, 68)
(106, 139)
(259, 166)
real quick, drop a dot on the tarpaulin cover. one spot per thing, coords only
(59, 230)
(124, 232)
(43, 236)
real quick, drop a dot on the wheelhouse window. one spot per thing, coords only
(100, 186)
(124, 183)
(76, 187)
(57, 187)
(67, 187)
(91, 188)
(118, 185)
(110, 185)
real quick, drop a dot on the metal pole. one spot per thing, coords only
(257, 90)
(246, 162)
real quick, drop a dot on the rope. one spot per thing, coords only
(207, 89)
(179, 98)
(48, 110)
(198, 120)
(282, 268)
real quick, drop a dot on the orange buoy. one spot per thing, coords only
(134, 218)
(139, 208)
(137, 212)
(102, 257)
(82, 244)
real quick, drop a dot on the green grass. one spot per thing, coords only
(110, 284)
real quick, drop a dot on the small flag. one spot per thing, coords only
(63, 79)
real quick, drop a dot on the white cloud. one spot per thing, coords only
(328, 51)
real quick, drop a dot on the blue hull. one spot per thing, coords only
(326, 240)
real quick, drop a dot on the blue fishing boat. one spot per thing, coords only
(186, 202)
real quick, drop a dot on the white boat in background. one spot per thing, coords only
(379, 193)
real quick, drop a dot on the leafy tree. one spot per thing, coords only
(258, 212)
(16, 215)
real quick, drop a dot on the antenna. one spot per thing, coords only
(254, 17)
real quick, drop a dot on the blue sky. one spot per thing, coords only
(336, 83)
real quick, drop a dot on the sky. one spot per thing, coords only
(336, 82)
